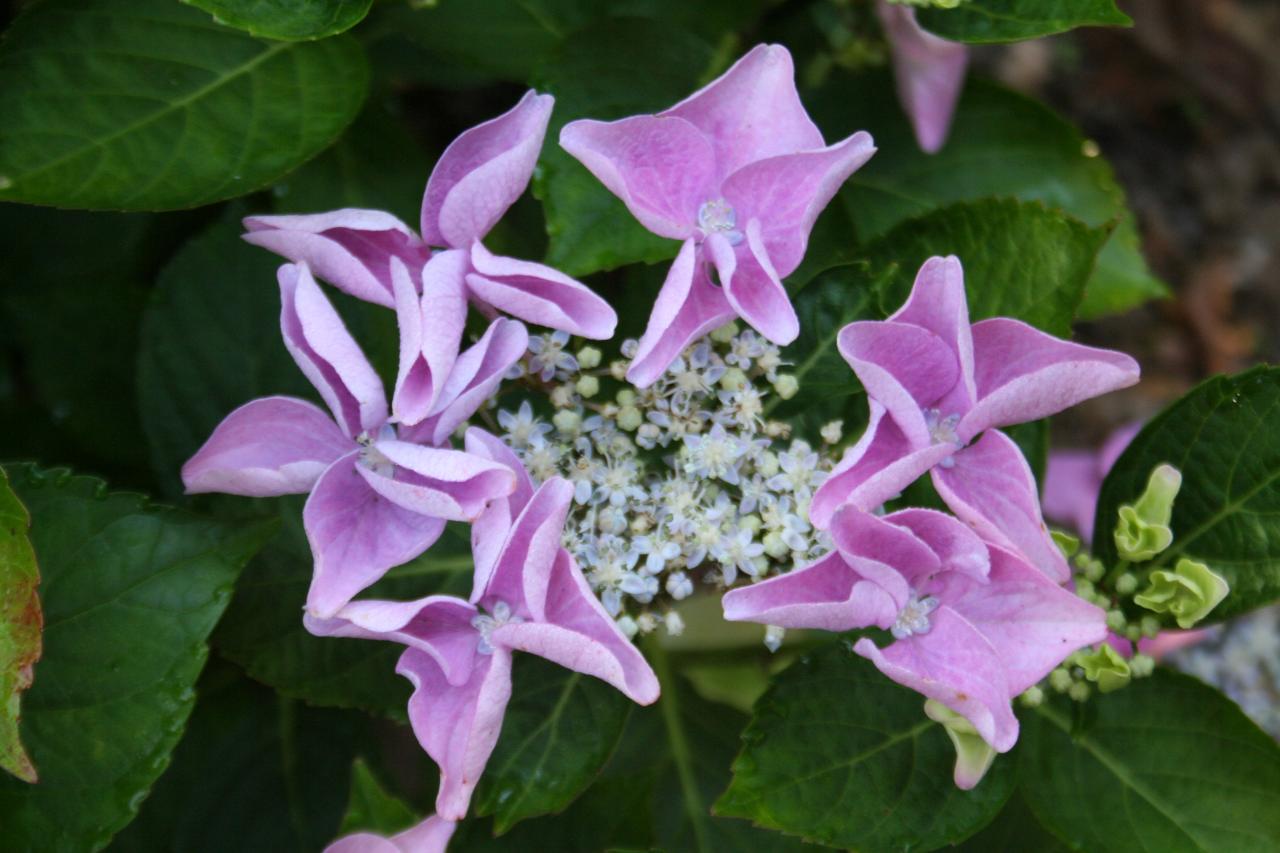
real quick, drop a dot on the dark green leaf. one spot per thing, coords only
(1222, 437)
(149, 105)
(987, 21)
(1167, 764)
(288, 20)
(20, 623)
(254, 773)
(371, 808)
(1015, 830)
(838, 753)
(1002, 144)
(130, 593)
(560, 729)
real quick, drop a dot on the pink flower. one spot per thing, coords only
(738, 172)
(945, 387)
(430, 836)
(478, 177)
(378, 498)
(528, 595)
(929, 73)
(974, 625)
(1073, 480)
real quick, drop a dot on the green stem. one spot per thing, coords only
(669, 703)
(1109, 582)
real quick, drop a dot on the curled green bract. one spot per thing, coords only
(1143, 529)
(1106, 668)
(1189, 592)
(973, 754)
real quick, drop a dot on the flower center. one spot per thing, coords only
(373, 458)
(718, 217)
(942, 430)
(486, 624)
(914, 616)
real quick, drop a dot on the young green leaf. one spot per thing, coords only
(287, 20)
(372, 808)
(20, 624)
(988, 21)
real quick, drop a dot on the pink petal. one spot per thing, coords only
(457, 726)
(483, 172)
(786, 193)
(882, 552)
(319, 342)
(430, 836)
(1023, 374)
(874, 470)
(752, 285)
(1071, 486)
(929, 73)
(663, 169)
(1032, 623)
(489, 530)
(448, 484)
(430, 330)
(472, 381)
(937, 302)
(356, 535)
(958, 548)
(904, 367)
(826, 594)
(438, 625)
(271, 446)
(953, 663)
(539, 294)
(351, 248)
(579, 635)
(752, 111)
(688, 306)
(522, 569)
(990, 487)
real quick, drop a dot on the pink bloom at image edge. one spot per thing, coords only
(430, 836)
(928, 71)
(738, 173)
(528, 595)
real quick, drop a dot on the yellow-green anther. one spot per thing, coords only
(1066, 543)
(1188, 593)
(1143, 530)
(1107, 668)
(973, 754)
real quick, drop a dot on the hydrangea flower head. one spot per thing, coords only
(738, 173)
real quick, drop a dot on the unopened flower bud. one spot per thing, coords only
(773, 635)
(1150, 626)
(1142, 665)
(1126, 584)
(725, 333)
(628, 626)
(1069, 545)
(1143, 530)
(767, 463)
(679, 586)
(562, 396)
(1116, 620)
(674, 624)
(588, 358)
(750, 522)
(1106, 667)
(625, 397)
(832, 432)
(1084, 588)
(1032, 697)
(973, 754)
(774, 546)
(567, 421)
(618, 370)
(777, 429)
(733, 379)
(1188, 592)
(1060, 680)
(588, 386)
(629, 418)
(647, 623)
(786, 386)
(1079, 691)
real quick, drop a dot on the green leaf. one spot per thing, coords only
(1167, 764)
(254, 773)
(371, 808)
(1001, 144)
(287, 20)
(1221, 436)
(559, 730)
(149, 105)
(611, 69)
(1014, 829)
(20, 624)
(130, 593)
(838, 753)
(991, 21)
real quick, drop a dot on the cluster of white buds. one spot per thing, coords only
(680, 484)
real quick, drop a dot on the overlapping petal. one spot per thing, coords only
(430, 836)
(431, 327)
(443, 483)
(489, 530)
(937, 302)
(752, 285)
(538, 294)
(827, 594)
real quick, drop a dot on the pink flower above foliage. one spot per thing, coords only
(929, 73)
(430, 836)
(940, 388)
(739, 173)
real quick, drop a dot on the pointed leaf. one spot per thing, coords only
(991, 21)
(372, 808)
(287, 20)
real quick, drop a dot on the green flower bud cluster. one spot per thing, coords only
(1143, 530)
(1101, 667)
(1188, 593)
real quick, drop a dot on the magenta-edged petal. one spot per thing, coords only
(687, 307)
(752, 285)
(663, 169)
(430, 836)
(271, 446)
(489, 530)
(578, 634)
(937, 302)
(319, 342)
(483, 172)
(953, 663)
(486, 445)
(826, 594)
(929, 73)
(430, 330)
(1032, 623)
(1022, 374)
(957, 547)
(351, 248)
(538, 294)
(1071, 485)
(752, 111)
(522, 568)
(439, 625)
(786, 193)
(448, 484)
(457, 726)
(356, 535)
(874, 470)
(905, 368)
(882, 552)
(990, 487)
